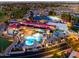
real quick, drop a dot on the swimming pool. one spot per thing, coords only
(30, 40)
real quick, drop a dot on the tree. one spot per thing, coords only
(66, 16)
(52, 13)
(16, 12)
(75, 19)
(56, 56)
(2, 14)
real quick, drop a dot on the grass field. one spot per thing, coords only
(4, 43)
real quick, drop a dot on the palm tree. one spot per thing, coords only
(75, 19)
(52, 13)
(19, 13)
(66, 16)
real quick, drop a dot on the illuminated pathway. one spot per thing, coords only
(8, 50)
(42, 52)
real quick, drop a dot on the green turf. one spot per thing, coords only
(4, 43)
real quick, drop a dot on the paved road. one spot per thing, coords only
(40, 53)
(8, 50)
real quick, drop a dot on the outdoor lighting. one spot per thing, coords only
(22, 35)
(29, 40)
(29, 43)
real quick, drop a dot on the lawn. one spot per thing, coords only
(4, 43)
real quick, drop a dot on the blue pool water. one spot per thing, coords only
(29, 43)
(30, 40)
